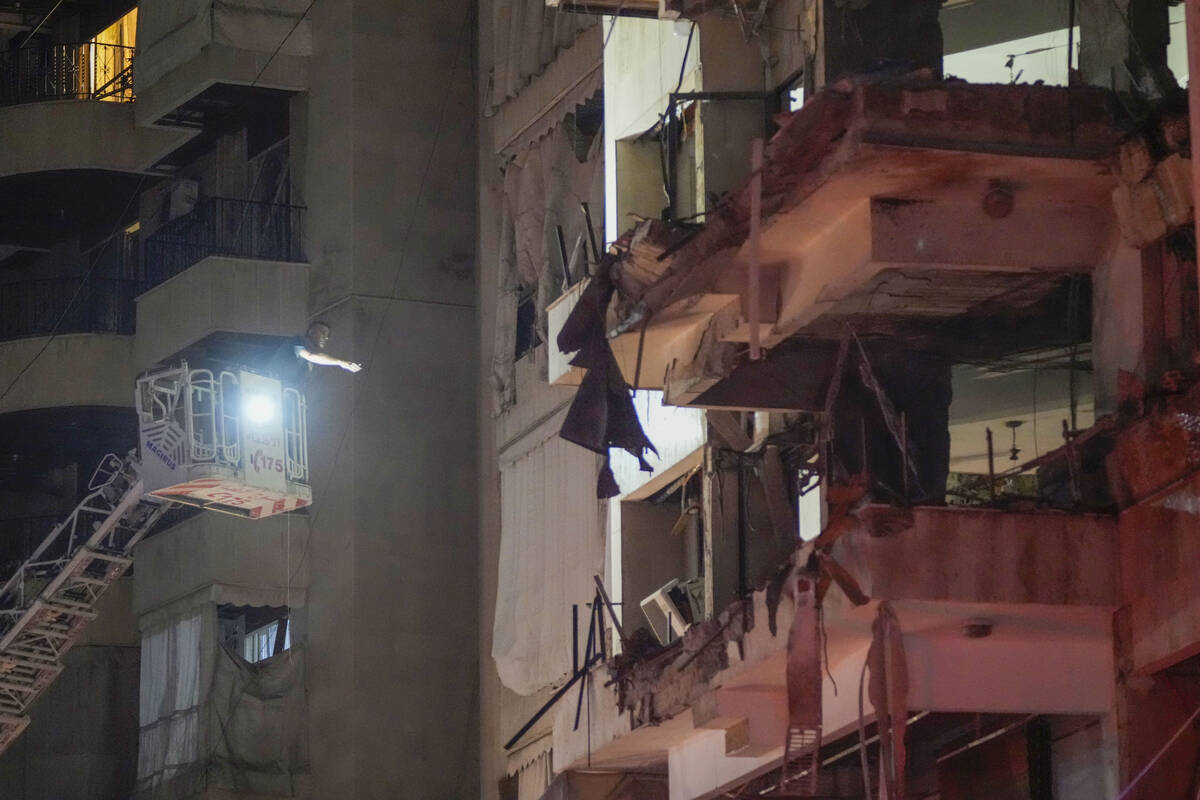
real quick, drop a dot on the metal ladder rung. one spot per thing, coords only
(35, 657)
(37, 646)
(88, 580)
(27, 688)
(73, 608)
(49, 633)
(110, 557)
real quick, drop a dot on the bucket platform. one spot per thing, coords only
(226, 440)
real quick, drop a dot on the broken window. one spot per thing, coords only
(662, 563)
(527, 334)
(256, 633)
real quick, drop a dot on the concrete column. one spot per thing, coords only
(1193, 51)
(394, 590)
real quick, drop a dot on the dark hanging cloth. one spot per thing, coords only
(602, 415)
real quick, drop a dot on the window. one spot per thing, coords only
(111, 59)
(259, 644)
(255, 633)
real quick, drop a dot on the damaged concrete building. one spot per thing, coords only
(839, 418)
(723, 399)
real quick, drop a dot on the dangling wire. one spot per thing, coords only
(825, 646)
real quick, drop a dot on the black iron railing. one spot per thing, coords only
(87, 71)
(34, 308)
(220, 226)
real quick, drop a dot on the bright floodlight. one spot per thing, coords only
(258, 409)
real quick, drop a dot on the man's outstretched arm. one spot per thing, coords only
(326, 360)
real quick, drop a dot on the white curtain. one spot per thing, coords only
(535, 777)
(551, 544)
(169, 712)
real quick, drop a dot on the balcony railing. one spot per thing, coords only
(34, 308)
(220, 226)
(87, 71)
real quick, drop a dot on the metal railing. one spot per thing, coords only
(33, 308)
(191, 416)
(222, 226)
(86, 71)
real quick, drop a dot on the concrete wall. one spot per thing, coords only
(641, 67)
(392, 674)
(1117, 327)
(220, 294)
(99, 365)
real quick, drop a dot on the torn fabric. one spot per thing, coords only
(544, 187)
(602, 415)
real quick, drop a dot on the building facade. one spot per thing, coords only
(915, 368)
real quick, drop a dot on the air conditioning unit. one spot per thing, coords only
(673, 608)
(182, 199)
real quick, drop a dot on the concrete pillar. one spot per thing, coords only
(394, 580)
(1193, 52)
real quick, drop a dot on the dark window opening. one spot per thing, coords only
(527, 333)
(255, 633)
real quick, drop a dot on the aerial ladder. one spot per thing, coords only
(225, 440)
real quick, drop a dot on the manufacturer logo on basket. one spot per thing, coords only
(153, 447)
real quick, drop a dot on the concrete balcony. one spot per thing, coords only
(79, 135)
(186, 47)
(714, 707)
(220, 294)
(70, 106)
(927, 211)
(221, 558)
(76, 369)
(229, 266)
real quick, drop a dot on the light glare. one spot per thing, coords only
(258, 409)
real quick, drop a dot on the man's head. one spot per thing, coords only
(318, 335)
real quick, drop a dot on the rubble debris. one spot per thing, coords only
(1154, 196)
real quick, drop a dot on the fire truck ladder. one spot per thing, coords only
(46, 604)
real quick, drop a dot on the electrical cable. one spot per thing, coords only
(283, 41)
